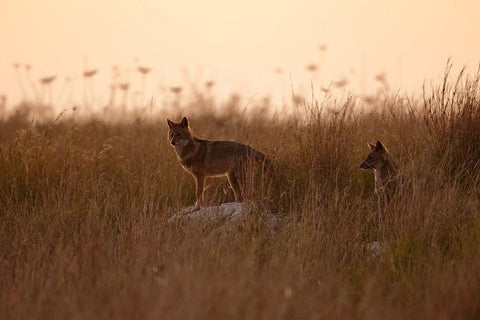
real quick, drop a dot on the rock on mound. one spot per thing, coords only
(231, 213)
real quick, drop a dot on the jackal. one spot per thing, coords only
(388, 180)
(206, 158)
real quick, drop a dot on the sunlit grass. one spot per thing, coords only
(84, 205)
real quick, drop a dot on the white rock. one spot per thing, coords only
(373, 249)
(230, 213)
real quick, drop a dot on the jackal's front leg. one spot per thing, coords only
(382, 201)
(199, 184)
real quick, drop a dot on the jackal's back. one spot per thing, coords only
(218, 157)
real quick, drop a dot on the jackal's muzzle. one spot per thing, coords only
(365, 166)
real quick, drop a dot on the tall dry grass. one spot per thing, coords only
(84, 208)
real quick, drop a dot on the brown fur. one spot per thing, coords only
(206, 158)
(388, 179)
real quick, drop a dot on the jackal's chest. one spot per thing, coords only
(186, 165)
(386, 187)
(191, 166)
(187, 168)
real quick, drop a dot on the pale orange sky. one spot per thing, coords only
(239, 43)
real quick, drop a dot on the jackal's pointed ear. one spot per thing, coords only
(184, 122)
(170, 123)
(379, 146)
(371, 145)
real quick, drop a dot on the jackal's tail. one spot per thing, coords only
(261, 159)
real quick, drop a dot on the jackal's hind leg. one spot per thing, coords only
(232, 179)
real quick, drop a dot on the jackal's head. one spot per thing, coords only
(178, 133)
(376, 158)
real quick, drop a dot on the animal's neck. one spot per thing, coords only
(188, 151)
(387, 171)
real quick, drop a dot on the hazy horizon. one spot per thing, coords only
(238, 45)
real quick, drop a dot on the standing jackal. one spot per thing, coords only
(388, 180)
(205, 158)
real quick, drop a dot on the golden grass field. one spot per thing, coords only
(84, 207)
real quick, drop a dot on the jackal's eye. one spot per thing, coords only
(369, 158)
(178, 135)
